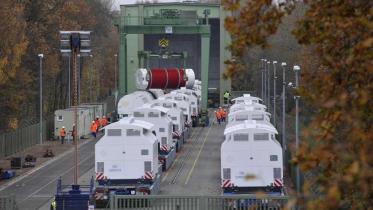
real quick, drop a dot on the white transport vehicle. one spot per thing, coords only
(251, 159)
(157, 115)
(257, 106)
(246, 98)
(185, 106)
(194, 103)
(249, 113)
(126, 159)
(177, 117)
(130, 102)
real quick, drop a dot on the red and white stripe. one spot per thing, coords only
(278, 183)
(188, 124)
(176, 134)
(227, 183)
(148, 175)
(100, 176)
(164, 148)
(99, 196)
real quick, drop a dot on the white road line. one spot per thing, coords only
(53, 180)
(17, 179)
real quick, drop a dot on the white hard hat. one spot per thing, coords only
(93, 121)
(103, 116)
(63, 126)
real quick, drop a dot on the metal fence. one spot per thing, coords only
(8, 203)
(232, 202)
(22, 138)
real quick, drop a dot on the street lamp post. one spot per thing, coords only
(283, 64)
(115, 72)
(69, 87)
(274, 93)
(296, 97)
(265, 81)
(90, 79)
(41, 56)
(261, 69)
(268, 84)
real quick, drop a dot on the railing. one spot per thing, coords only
(22, 138)
(8, 202)
(232, 202)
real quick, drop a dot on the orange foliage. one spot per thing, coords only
(339, 86)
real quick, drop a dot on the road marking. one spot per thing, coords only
(177, 158)
(199, 153)
(53, 180)
(17, 179)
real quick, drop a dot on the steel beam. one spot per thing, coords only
(166, 29)
(122, 65)
(205, 58)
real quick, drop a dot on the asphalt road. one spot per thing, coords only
(36, 190)
(196, 170)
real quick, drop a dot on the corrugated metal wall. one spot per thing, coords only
(192, 44)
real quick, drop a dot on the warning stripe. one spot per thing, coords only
(100, 176)
(99, 196)
(164, 148)
(227, 183)
(278, 183)
(176, 134)
(148, 175)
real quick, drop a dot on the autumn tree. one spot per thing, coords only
(338, 85)
(29, 28)
(13, 43)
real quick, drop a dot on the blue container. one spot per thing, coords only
(7, 174)
(74, 199)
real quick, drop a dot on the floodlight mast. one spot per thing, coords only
(72, 43)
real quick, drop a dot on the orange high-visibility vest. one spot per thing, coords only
(223, 113)
(218, 115)
(103, 122)
(62, 132)
(93, 127)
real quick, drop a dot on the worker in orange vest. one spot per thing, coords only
(97, 121)
(223, 114)
(62, 134)
(103, 121)
(94, 128)
(218, 116)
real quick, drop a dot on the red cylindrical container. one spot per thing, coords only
(162, 78)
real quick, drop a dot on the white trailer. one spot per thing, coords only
(251, 159)
(185, 106)
(246, 98)
(194, 103)
(177, 117)
(99, 109)
(257, 106)
(157, 115)
(249, 113)
(126, 160)
(130, 102)
(65, 117)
